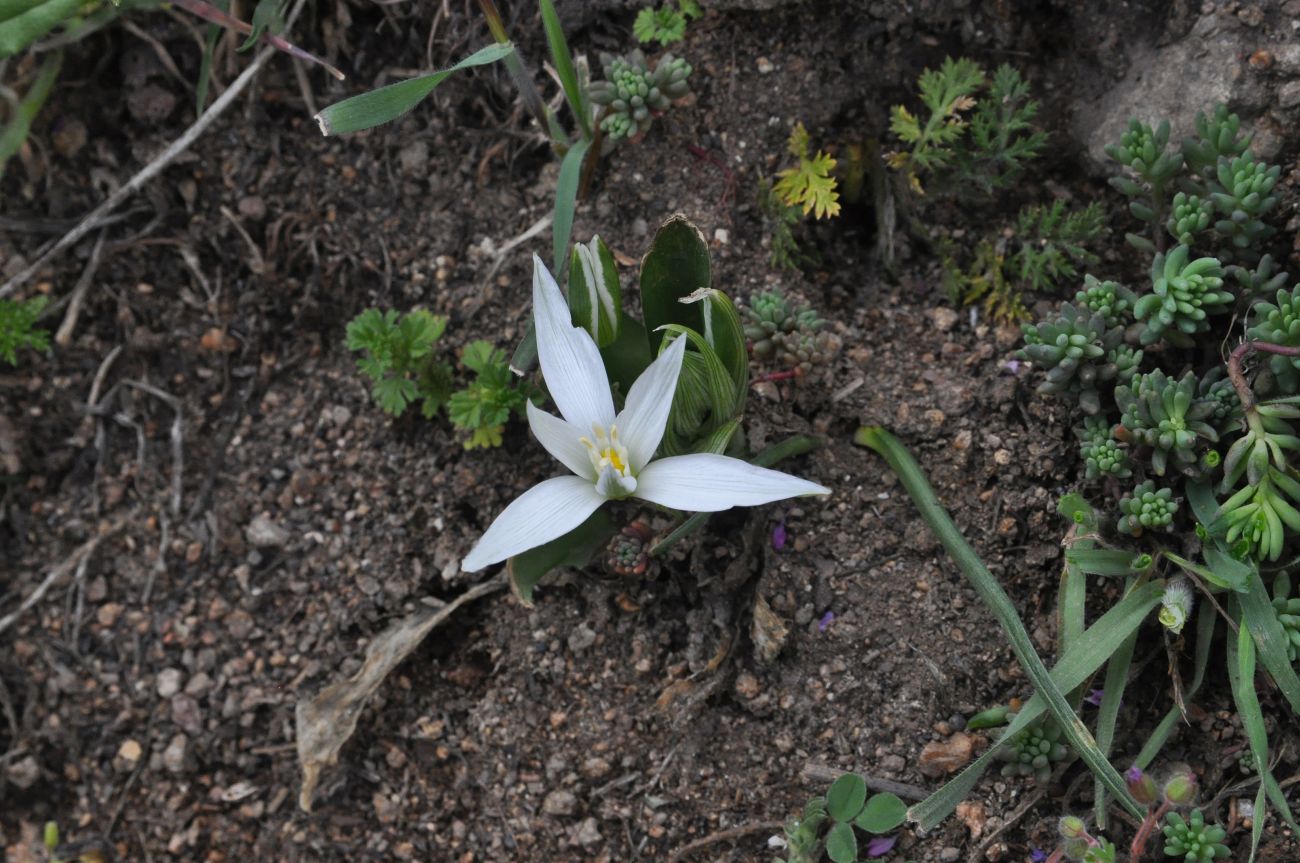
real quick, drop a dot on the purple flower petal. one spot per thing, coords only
(778, 536)
(827, 619)
(879, 846)
(1037, 855)
(1094, 697)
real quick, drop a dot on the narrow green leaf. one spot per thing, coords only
(15, 131)
(1219, 578)
(564, 67)
(1112, 696)
(1270, 639)
(576, 548)
(1072, 604)
(388, 103)
(842, 844)
(524, 358)
(883, 813)
(1102, 561)
(844, 800)
(717, 380)
(24, 28)
(1046, 688)
(13, 8)
(1241, 676)
(566, 201)
(723, 330)
(676, 266)
(1074, 507)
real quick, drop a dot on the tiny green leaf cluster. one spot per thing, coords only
(1034, 751)
(482, 408)
(809, 184)
(1076, 349)
(1167, 416)
(1051, 243)
(786, 335)
(1102, 454)
(18, 328)
(398, 356)
(1192, 839)
(1287, 609)
(633, 94)
(1147, 508)
(665, 24)
(831, 824)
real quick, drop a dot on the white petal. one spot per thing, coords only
(643, 418)
(545, 512)
(561, 440)
(708, 483)
(571, 364)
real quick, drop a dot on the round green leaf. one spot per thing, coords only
(883, 813)
(844, 800)
(841, 844)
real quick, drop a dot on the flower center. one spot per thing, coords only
(605, 451)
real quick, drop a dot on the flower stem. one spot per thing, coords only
(1139, 846)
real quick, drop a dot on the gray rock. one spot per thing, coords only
(264, 533)
(169, 682)
(560, 803)
(177, 757)
(582, 638)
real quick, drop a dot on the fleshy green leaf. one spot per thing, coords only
(31, 22)
(388, 103)
(564, 66)
(676, 266)
(595, 297)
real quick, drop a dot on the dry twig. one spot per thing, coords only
(63, 569)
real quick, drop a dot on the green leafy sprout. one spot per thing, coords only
(665, 24)
(833, 824)
(18, 329)
(808, 184)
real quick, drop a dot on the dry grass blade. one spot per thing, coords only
(326, 722)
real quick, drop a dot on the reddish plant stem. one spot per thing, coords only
(729, 190)
(1238, 377)
(1139, 846)
(208, 12)
(777, 376)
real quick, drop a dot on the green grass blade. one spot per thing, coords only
(205, 67)
(27, 26)
(1101, 561)
(564, 67)
(909, 472)
(1270, 639)
(1241, 675)
(1076, 666)
(15, 131)
(13, 8)
(1206, 620)
(566, 202)
(1108, 713)
(388, 103)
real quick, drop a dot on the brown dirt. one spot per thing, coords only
(149, 698)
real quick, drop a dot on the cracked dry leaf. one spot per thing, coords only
(326, 722)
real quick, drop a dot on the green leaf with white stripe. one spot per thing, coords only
(595, 298)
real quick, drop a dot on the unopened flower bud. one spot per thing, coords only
(1141, 785)
(1180, 790)
(1072, 827)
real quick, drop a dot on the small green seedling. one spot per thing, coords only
(399, 359)
(482, 408)
(18, 328)
(832, 824)
(810, 184)
(665, 24)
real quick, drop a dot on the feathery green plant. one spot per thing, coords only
(18, 328)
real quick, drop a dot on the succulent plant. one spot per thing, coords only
(1165, 415)
(1111, 300)
(1189, 215)
(1147, 508)
(1074, 348)
(1127, 361)
(1287, 609)
(1192, 839)
(1182, 295)
(1102, 454)
(1257, 282)
(788, 335)
(628, 552)
(1246, 195)
(1033, 751)
(1143, 150)
(1279, 323)
(1225, 405)
(633, 94)
(1218, 135)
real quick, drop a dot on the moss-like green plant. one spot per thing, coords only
(665, 24)
(399, 359)
(633, 94)
(1147, 508)
(1192, 839)
(1183, 294)
(1074, 349)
